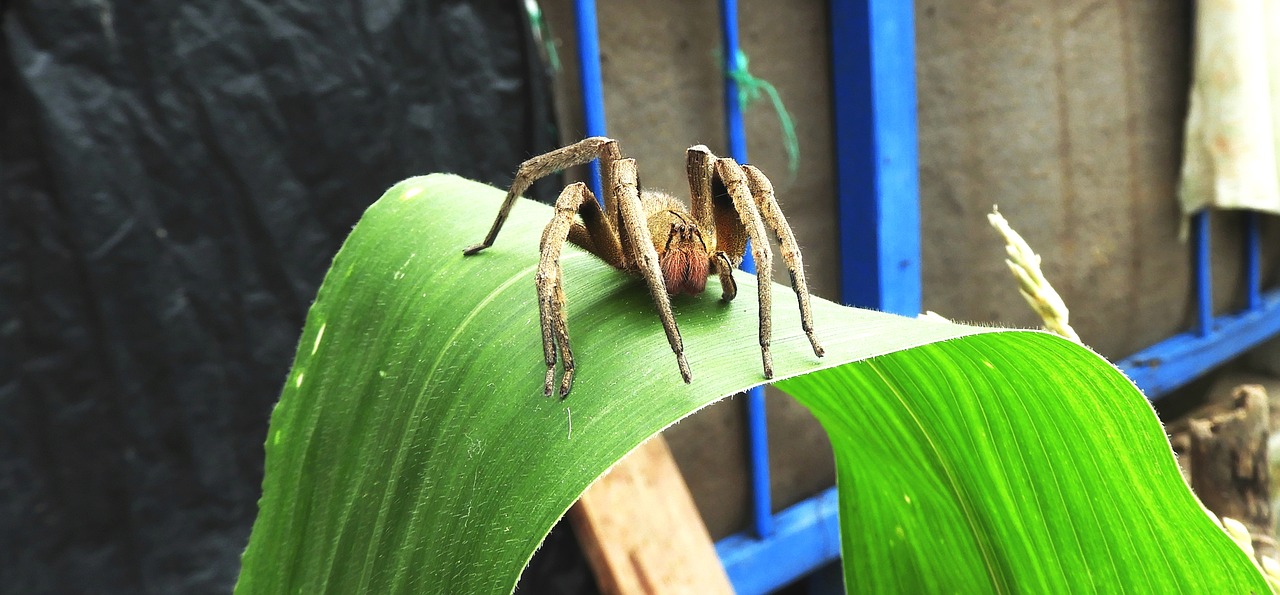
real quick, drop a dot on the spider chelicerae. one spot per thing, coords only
(652, 234)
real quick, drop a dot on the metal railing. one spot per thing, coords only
(1215, 340)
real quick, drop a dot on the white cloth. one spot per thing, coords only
(1230, 157)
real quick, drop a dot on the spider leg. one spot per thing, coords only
(724, 268)
(549, 279)
(735, 184)
(597, 235)
(767, 203)
(632, 221)
(562, 339)
(583, 151)
(699, 166)
(699, 169)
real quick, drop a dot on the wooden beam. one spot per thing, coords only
(641, 532)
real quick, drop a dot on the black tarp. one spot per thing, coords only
(176, 178)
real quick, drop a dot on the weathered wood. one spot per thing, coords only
(1218, 399)
(641, 532)
(1229, 465)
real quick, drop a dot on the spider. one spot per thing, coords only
(653, 235)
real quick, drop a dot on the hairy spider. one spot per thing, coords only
(653, 235)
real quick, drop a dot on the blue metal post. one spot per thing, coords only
(873, 64)
(732, 106)
(1253, 260)
(757, 426)
(1203, 275)
(590, 80)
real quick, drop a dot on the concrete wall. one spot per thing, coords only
(1066, 114)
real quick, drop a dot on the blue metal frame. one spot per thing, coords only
(873, 63)
(1182, 358)
(807, 536)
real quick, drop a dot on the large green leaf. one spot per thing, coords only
(412, 451)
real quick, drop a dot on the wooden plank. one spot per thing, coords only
(641, 532)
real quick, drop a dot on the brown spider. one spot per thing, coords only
(728, 200)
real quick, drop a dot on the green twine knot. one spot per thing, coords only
(749, 90)
(542, 33)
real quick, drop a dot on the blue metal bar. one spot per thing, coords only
(1253, 260)
(590, 80)
(757, 426)
(1203, 275)
(1182, 358)
(807, 538)
(758, 455)
(873, 66)
(732, 106)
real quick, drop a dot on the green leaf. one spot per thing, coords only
(412, 452)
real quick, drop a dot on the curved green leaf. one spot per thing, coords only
(412, 451)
